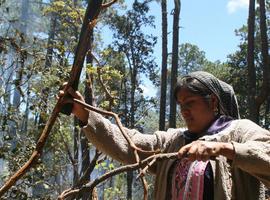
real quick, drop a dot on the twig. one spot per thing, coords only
(82, 181)
(68, 192)
(131, 167)
(106, 5)
(143, 172)
(161, 156)
(144, 114)
(72, 160)
(145, 187)
(100, 78)
(90, 168)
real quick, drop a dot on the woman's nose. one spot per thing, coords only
(185, 112)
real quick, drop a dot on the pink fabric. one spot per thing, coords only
(188, 180)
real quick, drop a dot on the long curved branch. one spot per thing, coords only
(130, 142)
(106, 5)
(117, 120)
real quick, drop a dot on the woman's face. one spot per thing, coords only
(197, 111)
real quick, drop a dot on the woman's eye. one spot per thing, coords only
(187, 104)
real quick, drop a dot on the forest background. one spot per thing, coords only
(130, 69)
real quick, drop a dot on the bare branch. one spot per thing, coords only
(106, 5)
(91, 185)
(67, 193)
(143, 172)
(90, 168)
(117, 120)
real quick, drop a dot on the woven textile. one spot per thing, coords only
(188, 180)
(227, 100)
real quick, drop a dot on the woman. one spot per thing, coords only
(220, 156)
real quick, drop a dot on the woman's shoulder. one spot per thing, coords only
(247, 129)
(246, 124)
(237, 130)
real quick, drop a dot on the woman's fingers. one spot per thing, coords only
(77, 95)
(200, 150)
(183, 152)
(63, 85)
(61, 90)
(60, 94)
(68, 95)
(74, 94)
(193, 152)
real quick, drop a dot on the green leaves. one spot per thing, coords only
(58, 4)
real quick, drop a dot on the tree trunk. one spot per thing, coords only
(85, 163)
(48, 63)
(38, 189)
(133, 77)
(88, 92)
(262, 97)
(20, 64)
(132, 123)
(76, 152)
(176, 14)
(49, 53)
(266, 114)
(26, 115)
(250, 61)
(125, 97)
(23, 29)
(163, 90)
(126, 123)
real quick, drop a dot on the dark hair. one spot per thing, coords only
(193, 85)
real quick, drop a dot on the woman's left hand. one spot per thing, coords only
(204, 150)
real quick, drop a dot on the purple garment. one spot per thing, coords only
(218, 125)
(221, 123)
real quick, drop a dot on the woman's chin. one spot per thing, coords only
(193, 129)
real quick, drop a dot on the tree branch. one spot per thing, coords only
(117, 120)
(106, 5)
(91, 185)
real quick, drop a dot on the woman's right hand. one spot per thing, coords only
(77, 109)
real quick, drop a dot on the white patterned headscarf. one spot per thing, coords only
(227, 100)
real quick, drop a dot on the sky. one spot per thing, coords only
(209, 24)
